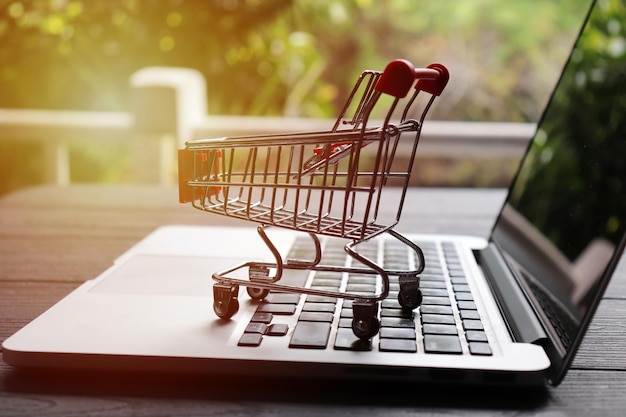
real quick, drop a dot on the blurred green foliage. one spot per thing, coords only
(274, 58)
(285, 57)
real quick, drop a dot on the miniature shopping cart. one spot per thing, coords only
(325, 183)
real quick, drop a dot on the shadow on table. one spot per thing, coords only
(302, 391)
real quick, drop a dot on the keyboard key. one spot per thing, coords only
(361, 288)
(310, 334)
(320, 299)
(435, 309)
(476, 336)
(397, 333)
(328, 274)
(397, 322)
(438, 319)
(433, 271)
(322, 288)
(295, 278)
(262, 317)
(397, 345)
(472, 325)
(250, 339)
(461, 288)
(277, 329)
(464, 296)
(432, 284)
(282, 298)
(453, 266)
(466, 305)
(436, 292)
(393, 294)
(345, 322)
(435, 343)
(397, 264)
(255, 327)
(432, 277)
(320, 307)
(436, 300)
(280, 309)
(347, 304)
(326, 282)
(393, 312)
(439, 329)
(316, 316)
(469, 314)
(346, 340)
(480, 348)
(362, 279)
(333, 259)
(390, 303)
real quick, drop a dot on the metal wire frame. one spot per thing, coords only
(297, 181)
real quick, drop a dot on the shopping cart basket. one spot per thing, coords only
(323, 184)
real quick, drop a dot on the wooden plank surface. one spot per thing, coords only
(54, 238)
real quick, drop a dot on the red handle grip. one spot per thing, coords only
(397, 78)
(432, 79)
(399, 75)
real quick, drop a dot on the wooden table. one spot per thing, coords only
(53, 238)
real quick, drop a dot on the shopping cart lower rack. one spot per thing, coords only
(322, 183)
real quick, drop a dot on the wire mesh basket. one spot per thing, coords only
(323, 183)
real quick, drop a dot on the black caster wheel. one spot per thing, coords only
(225, 303)
(365, 323)
(226, 309)
(366, 328)
(257, 293)
(409, 296)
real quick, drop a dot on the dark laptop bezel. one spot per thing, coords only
(560, 357)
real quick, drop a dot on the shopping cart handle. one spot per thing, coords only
(397, 78)
(432, 79)
(399, 75)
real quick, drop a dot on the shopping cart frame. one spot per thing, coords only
(263, 188)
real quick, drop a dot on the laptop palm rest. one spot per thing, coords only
(165, 275)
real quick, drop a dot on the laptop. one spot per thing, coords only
(509, 310)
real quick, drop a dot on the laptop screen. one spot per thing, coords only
(562, 225)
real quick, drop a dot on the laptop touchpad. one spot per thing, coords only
(167, 275)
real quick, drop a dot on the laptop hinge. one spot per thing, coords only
(520, 317)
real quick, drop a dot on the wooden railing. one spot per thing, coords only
(168, 109)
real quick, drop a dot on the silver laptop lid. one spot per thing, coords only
(561, 230)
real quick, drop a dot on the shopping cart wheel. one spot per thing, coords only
(257, 293)
(409, 296)
(258, 273)
(365, 323)
(225, 303)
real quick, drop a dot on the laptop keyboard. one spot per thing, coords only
(447, 322)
